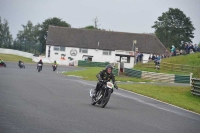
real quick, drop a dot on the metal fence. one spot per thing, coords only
(92, 64)
(195, 89)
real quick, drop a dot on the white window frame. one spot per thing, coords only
(83, 49)
(106, 51)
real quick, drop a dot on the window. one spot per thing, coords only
(82, 50)
(106, 52)
(62, 48)
(56, 48)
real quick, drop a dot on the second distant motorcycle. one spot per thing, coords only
(39, 67)
(21, 65)
(55, 65)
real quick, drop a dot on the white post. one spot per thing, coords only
(191, 79)
(118, 68)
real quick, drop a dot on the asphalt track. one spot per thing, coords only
(48, 102)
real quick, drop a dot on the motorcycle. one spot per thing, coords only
(103, 95)
(3, 64)
(22, 65)
(54, 67)
(39, 67)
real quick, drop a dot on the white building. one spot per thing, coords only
(65, 44)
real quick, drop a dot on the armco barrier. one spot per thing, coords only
(92, 64)
(133, 73)
(195, 89)
(182, 79)
(169, 78)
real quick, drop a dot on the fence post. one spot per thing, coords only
(191, 79)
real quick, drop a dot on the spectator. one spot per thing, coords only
(150, 57)
(195, 48)
(138, 56)
(186, 48)
(190, 47)
(181, 52)
(191, 51)
(141, 57)
(153, 57)
(167, 53)
(173, 51)
(198, 48)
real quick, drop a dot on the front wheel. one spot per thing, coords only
(39, 69)
(4, 65)
(105, 100)
(93, 102)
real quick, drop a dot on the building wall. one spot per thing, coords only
(97, 54)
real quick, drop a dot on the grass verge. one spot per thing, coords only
(190, 59)
(139, 66)
(15, 58)
(90, 74)
(176, 95)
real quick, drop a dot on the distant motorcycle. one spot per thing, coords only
(21, 65)
(3, 64)
(54, 67)
(102, 97)
(39, 67)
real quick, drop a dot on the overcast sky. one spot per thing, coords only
(136, 16)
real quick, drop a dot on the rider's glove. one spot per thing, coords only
(116, 86)
(105, 81)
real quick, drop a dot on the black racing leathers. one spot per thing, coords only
(103, 77)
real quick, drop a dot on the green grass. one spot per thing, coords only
(176, 95)
(90, 74)
(190, 59)
(139, 66)
(15, 58)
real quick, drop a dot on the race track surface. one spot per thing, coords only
(48, 102)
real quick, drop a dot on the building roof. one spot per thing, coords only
(106, 40)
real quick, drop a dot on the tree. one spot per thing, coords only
(91, 27)
(174, 28)
(5, 35)
(28, 37)
(44, 28)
